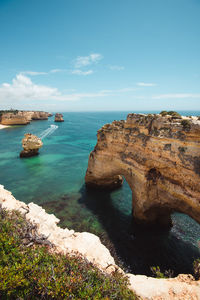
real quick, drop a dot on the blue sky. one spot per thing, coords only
(88, 55)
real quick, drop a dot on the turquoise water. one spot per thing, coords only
(55, 180)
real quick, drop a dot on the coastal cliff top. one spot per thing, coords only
(170, 125)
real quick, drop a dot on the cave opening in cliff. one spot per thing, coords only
(136, 247)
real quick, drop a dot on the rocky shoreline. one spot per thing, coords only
(90, 246)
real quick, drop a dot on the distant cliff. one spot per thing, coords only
(22, 117)
(159, 156)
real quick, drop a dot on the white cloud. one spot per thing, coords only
(22, 88)
(146, 84)
(118, 91)
(57, 70)
(176, 96)
(116, 68)
(33, 73)
(130, 89)
(83, 61)
(80, 72)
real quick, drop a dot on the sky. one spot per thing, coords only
(100, 55)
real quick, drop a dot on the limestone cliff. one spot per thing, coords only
(159, 158)
(14, 119)
(22, 117)
(31, 144)
(40, 115)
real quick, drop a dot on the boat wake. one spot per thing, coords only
(48, 131)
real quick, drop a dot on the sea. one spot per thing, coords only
(55, 180)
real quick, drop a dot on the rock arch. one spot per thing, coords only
(160, 160)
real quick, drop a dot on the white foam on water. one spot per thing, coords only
(48, 131)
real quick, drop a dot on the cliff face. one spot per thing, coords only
(40, 115)
(159, 158)
(22, 117)
(14, 119)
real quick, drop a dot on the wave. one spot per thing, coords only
(48, 131)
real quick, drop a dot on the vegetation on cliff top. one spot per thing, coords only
(170, 113)
(13, 111)
(32, 271)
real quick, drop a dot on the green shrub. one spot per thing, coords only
(158, 274)
(163, 113)
(196, 267)
(174, 114)
(186, 124)
(32, 271)
(13, 111)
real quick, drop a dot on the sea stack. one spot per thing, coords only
(58, 118)
(31, 144)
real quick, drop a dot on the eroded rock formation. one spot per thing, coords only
(31, 144)
(159, 158)
(58, 118)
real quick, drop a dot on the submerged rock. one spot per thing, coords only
(31, 144)
(58, 118)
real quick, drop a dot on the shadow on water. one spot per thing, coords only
(137, 247)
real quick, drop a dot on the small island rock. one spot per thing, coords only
(31, 144)
(58, 118)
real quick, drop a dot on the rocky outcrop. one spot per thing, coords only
(22, 117)
(159, 158)
(58, 118)
(31, 144)
(87, 244)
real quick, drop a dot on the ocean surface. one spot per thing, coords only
(55, 180)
